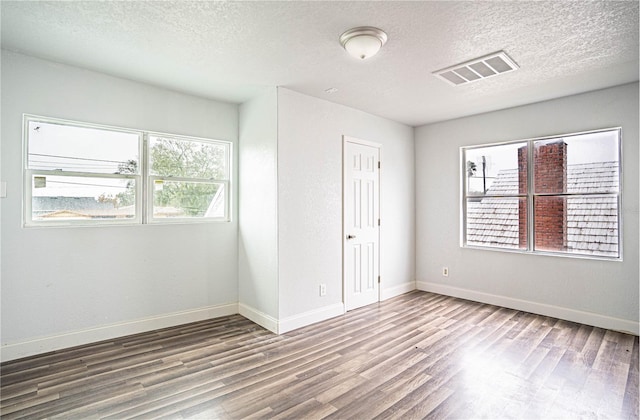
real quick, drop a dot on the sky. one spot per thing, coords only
(69, 148)
(581, 148)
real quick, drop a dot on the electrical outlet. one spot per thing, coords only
(445, 271)
(323, 289)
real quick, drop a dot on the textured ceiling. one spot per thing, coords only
(230, 51)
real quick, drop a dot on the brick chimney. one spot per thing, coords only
(550, 163)
(550, 176)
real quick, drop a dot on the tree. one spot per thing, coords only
(172, 158)
(128, 197)
(471, 168)
(128, 167)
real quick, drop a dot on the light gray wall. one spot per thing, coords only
(603, 293)
(258, 247)
(60, 280)
(310, 134)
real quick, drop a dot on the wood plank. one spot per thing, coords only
(413, 356)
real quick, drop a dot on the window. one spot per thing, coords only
(78, 173)
(567, 203)
(189, 178)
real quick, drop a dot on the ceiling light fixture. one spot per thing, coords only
(363, 42)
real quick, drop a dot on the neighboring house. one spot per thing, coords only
(586, 225)
(591, 223)
(78, 208)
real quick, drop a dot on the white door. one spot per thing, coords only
(361, 214)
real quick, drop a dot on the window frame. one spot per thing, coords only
(531, 195)
(143, 179)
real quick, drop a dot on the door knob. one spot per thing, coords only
(351, 236)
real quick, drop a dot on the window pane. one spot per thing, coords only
(173, 199)
(584, 163)
(186, 158)
(497, 222)
(81, 198)
(497, 170)
(577, 224)
(81, 149)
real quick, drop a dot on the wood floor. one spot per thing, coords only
(419, 355)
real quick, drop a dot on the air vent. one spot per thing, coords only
(477, 69)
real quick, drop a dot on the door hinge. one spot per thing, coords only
(378, 164)
(378, 222)
(378, 279)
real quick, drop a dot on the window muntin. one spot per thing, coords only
(568, 203)
(86, 174)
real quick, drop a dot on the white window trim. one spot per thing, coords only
(530, 195)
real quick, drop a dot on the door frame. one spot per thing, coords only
(348, 139)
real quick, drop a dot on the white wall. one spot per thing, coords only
(67, 286)
(310, 134)
(258, 224)
(64, 286)
(596, 292)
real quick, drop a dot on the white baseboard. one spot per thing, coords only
(260, 318)
(588, 318)
(311, 317)
(18, 350)
(388, 293)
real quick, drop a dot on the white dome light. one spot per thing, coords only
(363, 42)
